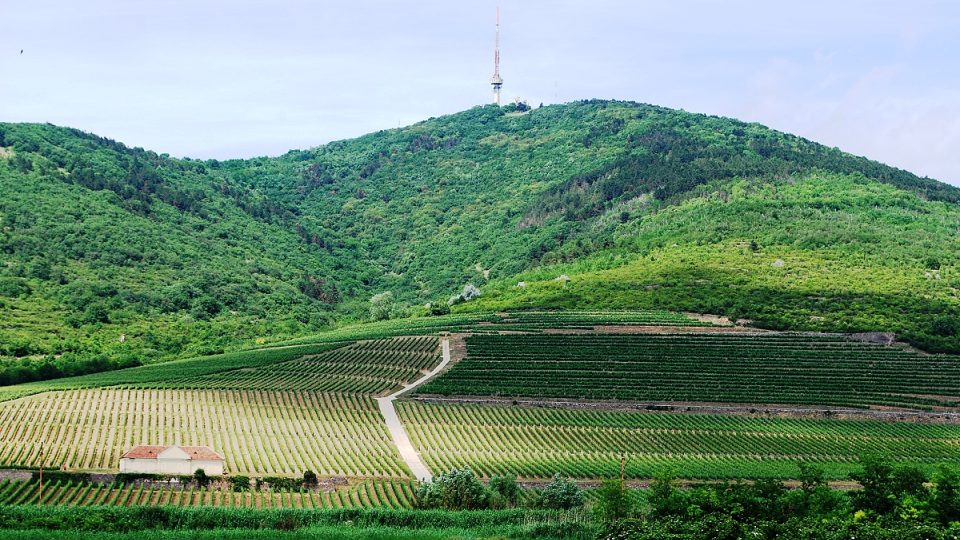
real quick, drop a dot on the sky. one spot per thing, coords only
(239, 79)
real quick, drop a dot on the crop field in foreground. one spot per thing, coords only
(537, 442)
(366, 494)
(759, 368)
(259, 432)
(370, 367)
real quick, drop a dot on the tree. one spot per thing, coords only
(201, 478)
(506, 487)
(458, 489)
(612, 503)
(875, 479)
(309, 478)
(439, 308)
(811, 477)
(469, 293)
(946, 496)
(561, 494)
(664, 498)
(382, 306)
(884, 485)
(95, 313)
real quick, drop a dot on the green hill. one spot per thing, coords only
(640, 206)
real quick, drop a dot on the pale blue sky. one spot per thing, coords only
(240, 78)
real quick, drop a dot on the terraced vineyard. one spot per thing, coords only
(539, 320)
(527, 321)
(371, 367)
(158, 374)
(366, 494)
(761, 368)
(259, 432)
(537, 442)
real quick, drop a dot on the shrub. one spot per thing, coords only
(946, 496)
(469, 293)
(506, 488)
(240, 483)
(381, 306)
(281, 483)
(560, 494)
(458, 489)
(309, 478)
(612, 503)
(439, 308)
(201, 478)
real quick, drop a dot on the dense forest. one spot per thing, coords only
(114, 256)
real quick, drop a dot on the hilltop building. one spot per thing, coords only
(182, 460)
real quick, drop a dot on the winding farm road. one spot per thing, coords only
(398, 432)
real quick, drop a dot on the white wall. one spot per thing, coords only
(170, 466)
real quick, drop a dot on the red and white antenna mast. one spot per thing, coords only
(496, 80)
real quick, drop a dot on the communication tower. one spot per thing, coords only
(496, 81)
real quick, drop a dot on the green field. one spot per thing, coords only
(259, 432)
(369, 367)
(366, 494)
(538, 442)
(162, 373)
(762, 368)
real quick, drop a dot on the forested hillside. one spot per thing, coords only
(111, 255)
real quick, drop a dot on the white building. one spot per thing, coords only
(180, 460)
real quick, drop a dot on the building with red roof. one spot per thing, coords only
(174, 459)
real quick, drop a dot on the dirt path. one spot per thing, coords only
(395, 426)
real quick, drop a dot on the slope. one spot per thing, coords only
(645, 206)
(111, 256)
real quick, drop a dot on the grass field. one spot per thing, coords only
(259, 432)
(764, 368)
(538, 442)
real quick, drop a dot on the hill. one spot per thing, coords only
(115, 255)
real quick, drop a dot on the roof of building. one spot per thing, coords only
(147, 451)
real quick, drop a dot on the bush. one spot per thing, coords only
(439, 308)
(885, 485)
(506, 488)
(240, 483)
(946, 496)
(281, 483)
(309, 478)
(201, 478)
(382, 306)
(469, 293)
(459, 489)
(613, 504)
(560, 494)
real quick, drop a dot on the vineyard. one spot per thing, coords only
(540, 320)
(760, 368)
(155, 374)
(527, 321)
(259, 432)
(537, 442)
(370, 367)
(366, 494)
